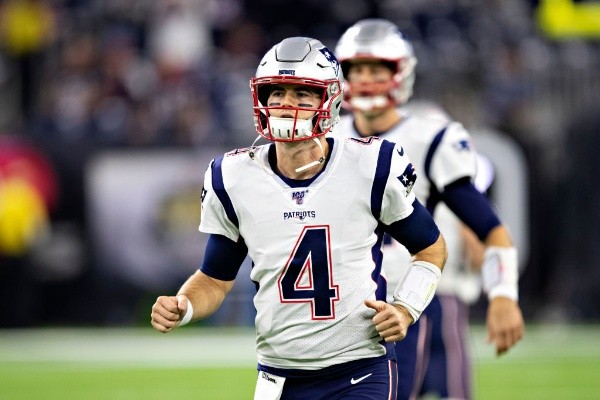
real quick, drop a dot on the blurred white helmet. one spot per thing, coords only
(377, 40)
(299, 61)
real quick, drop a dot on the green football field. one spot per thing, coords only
(552, 362)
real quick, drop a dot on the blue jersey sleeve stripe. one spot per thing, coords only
(382, 171)
(219, 188)
(432, 148)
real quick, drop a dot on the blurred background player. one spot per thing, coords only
(313, 228)
(379, 66)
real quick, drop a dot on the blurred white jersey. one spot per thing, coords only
(442, 152)
(316, 249)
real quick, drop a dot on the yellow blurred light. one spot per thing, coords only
(563, 19)
(23, 216)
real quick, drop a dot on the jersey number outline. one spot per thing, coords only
(308, 275)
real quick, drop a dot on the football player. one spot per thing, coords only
(378, 63)
(311, 212)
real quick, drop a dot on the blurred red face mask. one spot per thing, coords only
(373, 84)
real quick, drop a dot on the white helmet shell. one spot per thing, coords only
(300, 61)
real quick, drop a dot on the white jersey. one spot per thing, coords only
(315, 248)
(441, 152)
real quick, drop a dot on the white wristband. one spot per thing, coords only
(188, 314)
(417, 288)
(500, 273)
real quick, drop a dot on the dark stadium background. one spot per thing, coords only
(128, 100)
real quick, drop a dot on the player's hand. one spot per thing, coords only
(167, 312)
(390, 321)
(505, 324)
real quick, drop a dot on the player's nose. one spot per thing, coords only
(288, 99)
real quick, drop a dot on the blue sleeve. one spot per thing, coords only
(417, 231)
(223, 257)
(471, 206)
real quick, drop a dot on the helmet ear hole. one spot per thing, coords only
(325, 125)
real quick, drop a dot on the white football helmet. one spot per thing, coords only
(301, 61)
(378, 40)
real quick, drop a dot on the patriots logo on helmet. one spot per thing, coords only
(331, 58)
(408, 178)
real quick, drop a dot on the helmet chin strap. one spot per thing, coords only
(321, 160)
(251, 154)
(253, 147)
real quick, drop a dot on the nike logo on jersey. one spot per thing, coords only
(462, 145)
(400, 151)
(362, 378)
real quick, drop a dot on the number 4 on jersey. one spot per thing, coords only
(307, 276)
